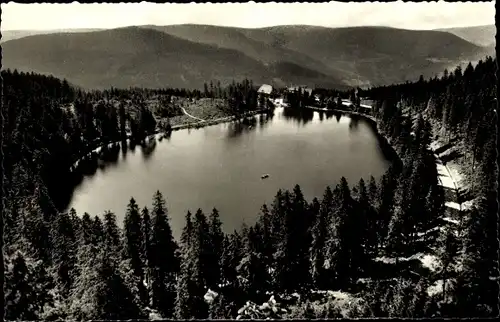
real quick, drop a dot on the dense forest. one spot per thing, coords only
(325, 98)
(59, 125)
(241, 97)
(353, 242)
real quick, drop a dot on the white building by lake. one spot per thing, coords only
(265, 89)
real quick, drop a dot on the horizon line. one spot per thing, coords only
(226, 26)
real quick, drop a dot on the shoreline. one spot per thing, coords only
(161, 134)
(373, 120)
(387, 146)
(204, 123)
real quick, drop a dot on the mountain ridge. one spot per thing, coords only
(483, 35)
(118, 52)
(189, 55)
(17, 34)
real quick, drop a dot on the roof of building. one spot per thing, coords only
(266, 89)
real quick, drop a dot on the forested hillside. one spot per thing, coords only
(363, 249)
(355, 55)
(141, 57)
(461, 111)
(185, 56)
(51, 129)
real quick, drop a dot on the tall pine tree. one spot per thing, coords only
(164, 261)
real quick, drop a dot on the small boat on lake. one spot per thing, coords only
(264, 176)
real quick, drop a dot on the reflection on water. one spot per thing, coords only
(300, 116)
(221, 165)
(237, 128)
(132, 146)
(338, 115)
(353, 123)
(107, 158)
(148, 147)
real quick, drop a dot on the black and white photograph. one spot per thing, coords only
(180, 161)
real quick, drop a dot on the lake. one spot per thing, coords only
(221, 166)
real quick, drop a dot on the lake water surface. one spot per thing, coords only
(221, 166)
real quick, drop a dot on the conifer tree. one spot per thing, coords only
(385, 211)
(112, 235)
(132, 225)
(434, 207)
(232, 257)
(118, 300)
(165, 264)
(184, 298)
(264, 222)
(122, 117)
(476, 295)
(283, 255)
(146, 241)
(277, 218)
(21, 302)
(373, 192)
(313, 212)
(365, 226)
(100, 291)
(200, 250)
(398, 235)
(85, 231)
(132, 246)
(229, 257)
(251, 270)
(37, 234)
(83, 298)
(98, 233)
(327, 214)
(216, 238)
(75, 222)
(64, 252)
(319, 239)
(449, 252)
(348, 239)
(300, 238)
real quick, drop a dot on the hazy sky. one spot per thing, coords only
(250, 15)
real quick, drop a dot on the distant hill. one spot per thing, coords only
(479, 35)
(16, 34)
(365, 55)
(135, 56)
(189, 55)
(240, 39)
(376, 55)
